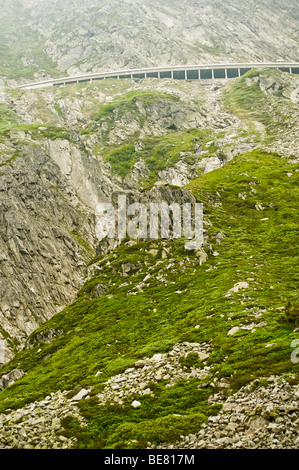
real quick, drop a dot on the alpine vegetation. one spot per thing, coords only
(149, 228)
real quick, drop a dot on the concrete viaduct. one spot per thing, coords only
(185, 72)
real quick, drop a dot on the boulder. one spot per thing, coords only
(10, 378)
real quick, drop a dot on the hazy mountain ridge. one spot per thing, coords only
(70, 37)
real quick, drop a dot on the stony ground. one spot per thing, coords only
(37, 425)
(261, 415)
(263, 418)
(167, 366)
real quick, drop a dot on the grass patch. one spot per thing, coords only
(248, 102)
(88, 249)
(160, 153)
(172, 411)
(128, 103)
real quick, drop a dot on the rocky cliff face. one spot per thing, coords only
(51, 183)
(42, 261)
(46, 37)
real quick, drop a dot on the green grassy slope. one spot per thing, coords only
(253, 201)
(246, 100)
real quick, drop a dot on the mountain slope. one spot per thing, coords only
(46, 38)
(160, 342)
(65, 150)
(243, 299)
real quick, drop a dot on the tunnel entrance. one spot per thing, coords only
(139, 75)
(219, 73)
(165, 74)
(192, 74)
(232, 73)
(243, 71)
(179, 74)
(206, 74)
